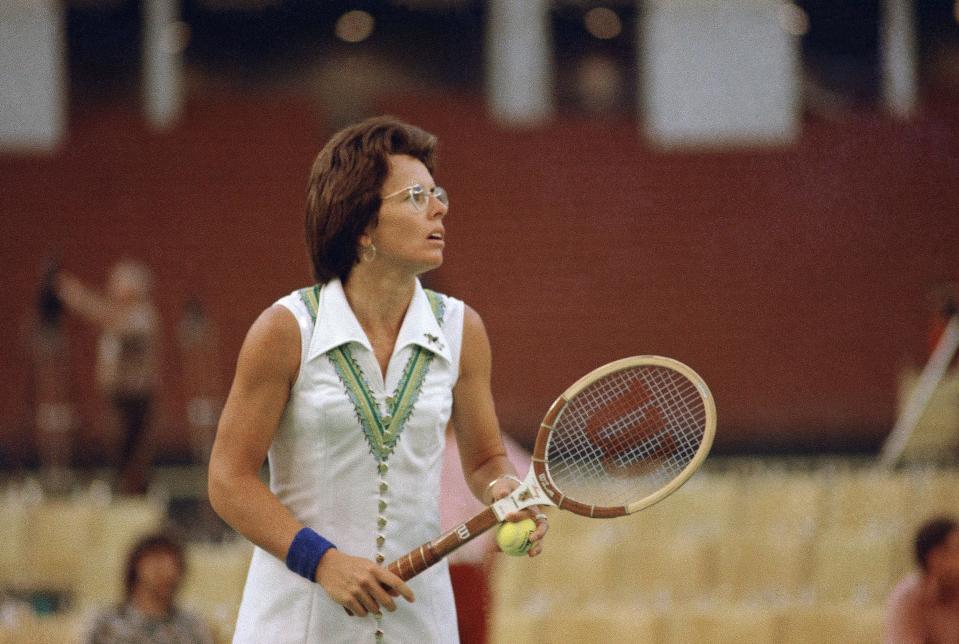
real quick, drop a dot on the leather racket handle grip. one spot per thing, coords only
(419, 559)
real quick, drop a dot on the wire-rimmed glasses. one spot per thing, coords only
(420, 196)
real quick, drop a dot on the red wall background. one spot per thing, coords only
(792, 279)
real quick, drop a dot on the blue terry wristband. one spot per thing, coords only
(305, 553)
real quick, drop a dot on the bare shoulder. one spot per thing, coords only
(275, 325)
(273, 342)
(474, 331)
(475, 357)
(472, 322)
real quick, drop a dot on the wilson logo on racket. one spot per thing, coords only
(629, 432)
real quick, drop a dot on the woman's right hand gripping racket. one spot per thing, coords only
(620, 439)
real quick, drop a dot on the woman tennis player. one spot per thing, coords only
(347, 387)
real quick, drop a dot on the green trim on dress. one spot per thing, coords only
(382, 432)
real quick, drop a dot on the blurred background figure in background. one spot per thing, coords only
(149, 613)
(198, 346)
(127, 358)
(470, 564)
(55, 419)
(200, 377)
(924, 605)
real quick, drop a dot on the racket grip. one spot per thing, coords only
(414, 562)
(419, 559)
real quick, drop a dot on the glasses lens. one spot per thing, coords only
(419, 196)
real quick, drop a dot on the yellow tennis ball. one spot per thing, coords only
(513, 537)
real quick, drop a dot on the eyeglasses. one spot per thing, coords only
(420, 196)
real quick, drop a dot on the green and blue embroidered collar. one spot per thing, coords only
(382, 429)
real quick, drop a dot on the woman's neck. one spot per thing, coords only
(378, 300)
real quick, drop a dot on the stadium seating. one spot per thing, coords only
(750, 550)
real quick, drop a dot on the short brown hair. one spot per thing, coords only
(162, 542)
(931, 535)
(343, 193)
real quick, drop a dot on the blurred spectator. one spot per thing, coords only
(55, 414)
(924, 606)
(127, 358)
(469, 564)
(199, 370)
(149, 613)
(198, 345)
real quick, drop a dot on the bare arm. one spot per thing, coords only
(266, 368)
(82, 300)
(482, 452)
(474, 414)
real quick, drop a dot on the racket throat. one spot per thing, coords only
(528, 493)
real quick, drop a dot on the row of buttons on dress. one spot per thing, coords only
(382, 468)
(384, 487)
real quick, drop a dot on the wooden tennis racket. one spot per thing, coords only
(620, 439)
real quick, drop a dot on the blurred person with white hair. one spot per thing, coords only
(127, 368)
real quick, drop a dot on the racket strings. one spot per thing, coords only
(626, 435)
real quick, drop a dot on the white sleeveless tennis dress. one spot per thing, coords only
(347, 465)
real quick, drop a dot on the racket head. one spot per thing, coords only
(624, 436)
